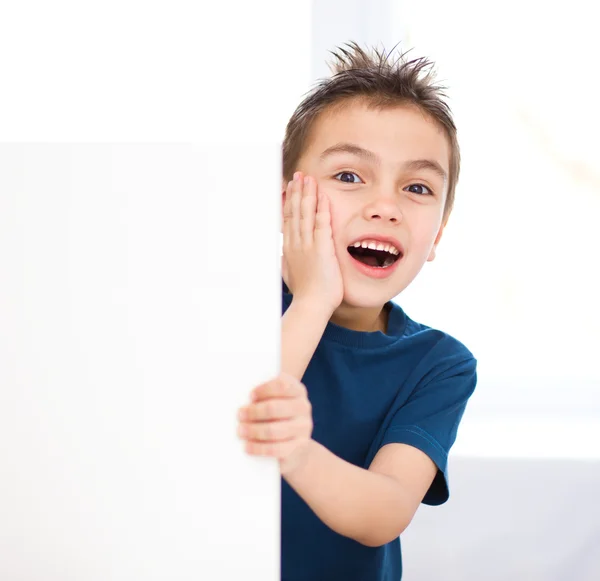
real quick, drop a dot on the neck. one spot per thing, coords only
(361, 319)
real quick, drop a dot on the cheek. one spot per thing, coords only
(424, 236)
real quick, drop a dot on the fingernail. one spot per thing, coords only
(296, 176)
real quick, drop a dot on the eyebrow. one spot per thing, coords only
(353, 150)
(427, 164)
(412, 165)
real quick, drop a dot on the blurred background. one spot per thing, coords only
(516, 278)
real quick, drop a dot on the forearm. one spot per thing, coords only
(302, 327)
(368, 507)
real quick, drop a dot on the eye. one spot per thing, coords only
(347, 177)
(419, 189)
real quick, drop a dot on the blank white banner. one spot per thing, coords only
(139, 304)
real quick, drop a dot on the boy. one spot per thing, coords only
(368, 401)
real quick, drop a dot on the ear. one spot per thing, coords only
(437, 241)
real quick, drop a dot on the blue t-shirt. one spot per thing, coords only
(368, 389)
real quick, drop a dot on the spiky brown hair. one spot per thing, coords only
(383, 82)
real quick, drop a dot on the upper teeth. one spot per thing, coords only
(374, 245)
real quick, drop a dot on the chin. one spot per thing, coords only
(367, 298)
(371, 288)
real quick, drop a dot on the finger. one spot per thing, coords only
(281, 386)
(278, 450)
(274, 431)
(294, 220)
(287, 216)
(308, 208)
(275, 409)
(323, 231)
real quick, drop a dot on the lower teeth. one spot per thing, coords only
(387, 262)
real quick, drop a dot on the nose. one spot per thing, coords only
(383, 207)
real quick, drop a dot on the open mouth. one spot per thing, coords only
(375, 258)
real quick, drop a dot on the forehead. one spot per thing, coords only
(395, 133)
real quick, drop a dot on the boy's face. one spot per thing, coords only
(385, 173)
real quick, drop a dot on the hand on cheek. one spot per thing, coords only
(310, 266)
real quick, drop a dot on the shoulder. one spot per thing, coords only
(439, 355)
(438, 344)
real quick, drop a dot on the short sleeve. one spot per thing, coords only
(429, 419)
